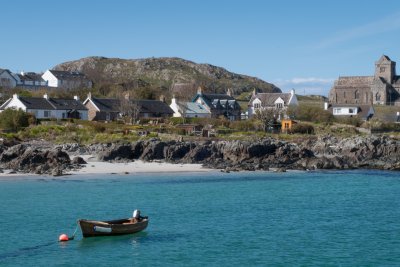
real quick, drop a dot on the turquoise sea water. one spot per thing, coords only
(341, 218)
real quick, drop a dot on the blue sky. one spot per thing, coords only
(303, 45)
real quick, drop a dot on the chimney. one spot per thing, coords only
(15, 96)
(199, 90)
(292, 92)
(229, 92)
(89, 95)
(326, 106)
(162, 98)
(127, 96)
(22, 73)
(173, 100)
(254, 92)
(45, 96)
(76, 97)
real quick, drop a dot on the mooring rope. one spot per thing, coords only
(76, 229)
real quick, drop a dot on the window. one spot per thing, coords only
(351, 111)
(382, 69)
(279, 105)
(257, 105)
(108, 116)
(286, 125)
(47, 113)
(378, 97)
(337, 111)
(356, 95)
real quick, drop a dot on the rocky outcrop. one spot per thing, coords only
(26, 158)
(327, 152)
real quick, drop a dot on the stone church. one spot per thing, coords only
(381, 89)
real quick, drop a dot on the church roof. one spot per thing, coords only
(384, 58)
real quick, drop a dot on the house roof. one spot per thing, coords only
(107, 104)
(50, 104)
(153, 106)
(68, 75)
(268, 99)
(146, 106)
(192, 108)
(30, 76)
(67, 104)
(218, 101)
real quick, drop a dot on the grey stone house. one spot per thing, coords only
(383, 88)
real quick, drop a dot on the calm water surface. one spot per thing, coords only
(346, 218)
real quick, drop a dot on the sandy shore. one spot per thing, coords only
(94, 166)
(98, 167)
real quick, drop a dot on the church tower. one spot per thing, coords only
(385, 68)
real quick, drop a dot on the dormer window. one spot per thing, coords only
(279, 105)
(257, 105)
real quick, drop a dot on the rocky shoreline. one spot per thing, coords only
(327, 152)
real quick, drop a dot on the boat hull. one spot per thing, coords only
(109, 228)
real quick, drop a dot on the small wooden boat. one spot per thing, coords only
(116, 227)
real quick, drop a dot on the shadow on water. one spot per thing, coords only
(25, 251)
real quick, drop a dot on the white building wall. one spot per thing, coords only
(51, 80)
(252, 109)
(175, 108)
(15, 103)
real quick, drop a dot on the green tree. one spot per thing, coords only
(14, 120)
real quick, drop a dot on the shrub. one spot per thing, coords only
(14, 120)
(312, 114)
(302, 128)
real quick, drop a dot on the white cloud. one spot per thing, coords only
(306, 85)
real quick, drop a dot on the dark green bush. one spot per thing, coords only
(14, 120)
(302, 128)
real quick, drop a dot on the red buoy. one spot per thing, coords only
(63, 238)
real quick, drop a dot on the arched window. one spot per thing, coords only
(356, 95)
(378, 97)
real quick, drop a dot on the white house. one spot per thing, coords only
(189, 109)
(47, 108)
(66, 79)
(280, 101)
(364, 112)
(7, 80)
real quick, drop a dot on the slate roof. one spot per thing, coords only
(59, 103)
(153, 106)
(107, 104)
(48, 104)
(195, 108)
(68, 75)
(268, 99)
(30, 76)
(192, 108)
(146, 106)
(218, 101)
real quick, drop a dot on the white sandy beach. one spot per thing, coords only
(98, 167)
(94, 166)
